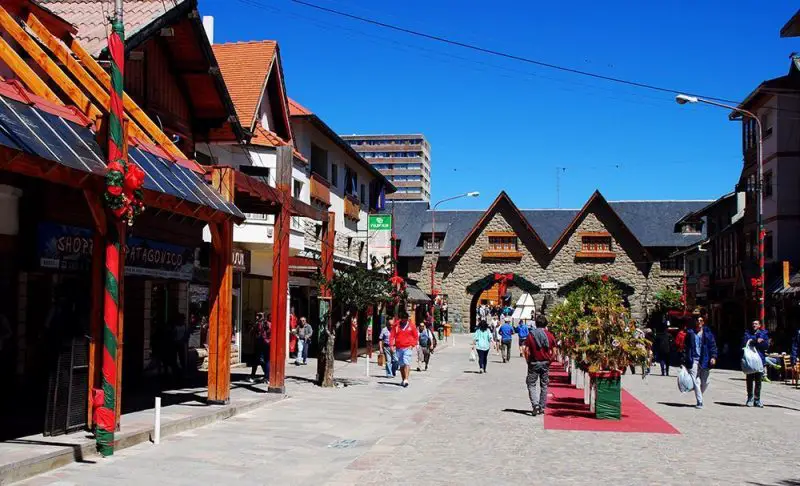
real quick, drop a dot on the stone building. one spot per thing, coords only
(548, 251)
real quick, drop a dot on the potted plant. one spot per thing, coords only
(597, 326)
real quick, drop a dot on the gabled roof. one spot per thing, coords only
(650, 221)
(91, 18)
(535, 243)
(598, 206)
(792, 27)
(265, 138)
(300, 112)
(246, 67)
(790, 83)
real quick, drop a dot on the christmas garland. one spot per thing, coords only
(123, 196)
(486, 282)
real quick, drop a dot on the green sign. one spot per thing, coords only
(379, 222)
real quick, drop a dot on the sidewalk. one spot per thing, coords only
(28, 456)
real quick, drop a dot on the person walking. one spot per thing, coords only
(661, 349)
(795, 347)
(759, 338)
(699, 356)
(522, 331)
(506, 333)
(262, 330)
(304, 334)
(482, 342)
(386, 349)
(425, 346)
(404, 339)
(539, 353)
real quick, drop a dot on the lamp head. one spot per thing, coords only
(473, 194)
(682, 99)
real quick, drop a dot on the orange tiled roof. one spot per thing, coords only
(245, 66)
(266, 138)
(91, 17)
(296, 109)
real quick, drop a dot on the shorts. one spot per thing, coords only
(404, 356)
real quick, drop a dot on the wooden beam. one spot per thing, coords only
(133, 109)
(49, 67)
(101, 95)
(280, 272)
(25, 73)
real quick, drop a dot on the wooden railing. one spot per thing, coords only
(320, 189)
(352, 208)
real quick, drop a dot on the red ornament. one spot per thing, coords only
(604, 278)
(114, 190)
(115, 166)
(134, 178)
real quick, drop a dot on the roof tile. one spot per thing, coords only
(266, 138)
(296, 109)
(245, 67)
(91, 17)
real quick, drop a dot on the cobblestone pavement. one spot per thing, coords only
(453, 426)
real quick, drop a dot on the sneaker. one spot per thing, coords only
(749, 402)
(251, 379)
(765, 379)
(699, 406)
(535, 411)
(758, 404)
(405, 383)
(389, 375)
(419, 369)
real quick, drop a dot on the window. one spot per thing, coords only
(503, 243)
(768, 184)
(768, 245)
(766, 125)
(334, 175)
(691, 228)
(319, 161)
(297, 189)
(595, 245)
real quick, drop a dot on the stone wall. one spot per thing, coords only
(455, 276)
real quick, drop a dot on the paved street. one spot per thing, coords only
(453, 426)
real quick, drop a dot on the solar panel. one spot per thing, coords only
(85, 148)
(16, 127)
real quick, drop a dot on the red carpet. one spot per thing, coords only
(566, 411)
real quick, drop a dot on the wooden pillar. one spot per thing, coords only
(96, 314)
(220, 291)
(280, 272)
(123, 237)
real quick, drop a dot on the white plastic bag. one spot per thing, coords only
(473, 356)
(685, 381)
(751, 360)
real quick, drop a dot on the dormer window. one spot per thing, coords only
(691, 228)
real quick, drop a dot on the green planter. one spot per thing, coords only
(608, 395)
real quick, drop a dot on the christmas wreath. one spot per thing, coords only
(123, 196)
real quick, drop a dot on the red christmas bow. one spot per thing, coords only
(503, 279)
(134, 178)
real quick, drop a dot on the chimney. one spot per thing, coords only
(741, 202)
(208, 25)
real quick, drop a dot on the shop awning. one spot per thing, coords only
(63, 137)
(253, 195)
(416, 295)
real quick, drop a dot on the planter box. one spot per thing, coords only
(607, 395)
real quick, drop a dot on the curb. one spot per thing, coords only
(68, 454)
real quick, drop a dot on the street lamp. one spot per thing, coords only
(683, 99)
(433, 230)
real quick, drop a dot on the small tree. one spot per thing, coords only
(596, 329)
(353, 289)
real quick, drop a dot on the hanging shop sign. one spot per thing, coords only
(379, 239)
(69, 248)
(241, 260)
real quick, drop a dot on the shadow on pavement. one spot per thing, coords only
(390, 383)
(730, 404)
(515, 410)
(677, 405)
(473, 372)
(783, 482)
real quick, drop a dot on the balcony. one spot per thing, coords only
(320, 189)
(352, 208)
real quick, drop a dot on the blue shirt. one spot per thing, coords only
(483, 339)
(698, 343)
(523, 331)
(385, 333)
(506, 332)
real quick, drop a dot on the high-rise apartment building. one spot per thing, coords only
(404, 159)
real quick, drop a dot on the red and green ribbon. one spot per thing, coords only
(118, 199)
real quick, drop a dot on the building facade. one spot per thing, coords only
(546, 250)
(405, 160)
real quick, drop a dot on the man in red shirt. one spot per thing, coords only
(403, 340)
(539, 353)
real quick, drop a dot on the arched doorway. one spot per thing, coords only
(505, 280)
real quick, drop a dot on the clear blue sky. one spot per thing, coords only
(497, 124)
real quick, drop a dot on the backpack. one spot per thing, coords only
(424, 340)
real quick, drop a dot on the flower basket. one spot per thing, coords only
(607, 394)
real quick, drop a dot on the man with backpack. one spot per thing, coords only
(262, 331)
(425, 346)
(539, 353)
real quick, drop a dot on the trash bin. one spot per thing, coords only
(447, 328)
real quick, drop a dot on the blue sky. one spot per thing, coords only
(497, 124)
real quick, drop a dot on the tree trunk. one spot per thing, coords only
(326, 359)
